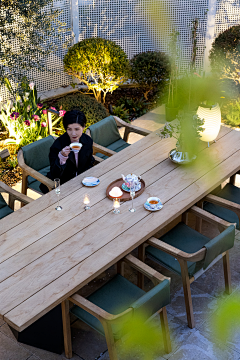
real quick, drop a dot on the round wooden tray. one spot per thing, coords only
(126, 195)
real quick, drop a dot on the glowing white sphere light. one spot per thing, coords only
(212, 122)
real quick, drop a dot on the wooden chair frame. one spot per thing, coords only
(214, 199)
(14, 195)
(108, 319)
(128, 129)
(183, 257)
(28, 171)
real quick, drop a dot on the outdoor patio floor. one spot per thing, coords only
(189, 344)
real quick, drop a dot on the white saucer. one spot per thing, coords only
(87, 181)
(137, 187)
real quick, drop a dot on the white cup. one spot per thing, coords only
(155, 199)
(76, 147)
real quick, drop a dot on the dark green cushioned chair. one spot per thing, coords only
(4, 208)
(34, 161)
(188, 253)
(109, 309)
(106, 134)
(229, 192)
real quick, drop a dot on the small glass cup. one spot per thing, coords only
(57, 191)
(132, 194)
(86, 201)
(116, 205)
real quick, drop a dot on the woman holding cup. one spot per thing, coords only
(71, 153)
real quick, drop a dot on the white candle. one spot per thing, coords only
(116, 203)
(86, 200)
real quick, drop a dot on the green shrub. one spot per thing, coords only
(136, 107)
(150, 70)
(121, 112)
(100, 64)
(225, 54)
(93, 110)
(231, 113)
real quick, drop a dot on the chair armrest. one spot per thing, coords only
(209, 217)
(224, 203)
(132, 128)
(35, 174)
(97, 158)
(152, 274)
(177, 253)
(15, 194)
(95, 310)
(102, 150)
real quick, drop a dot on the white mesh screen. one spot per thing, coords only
(129, 23)
(227, 15)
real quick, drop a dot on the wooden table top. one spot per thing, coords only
(47, 255)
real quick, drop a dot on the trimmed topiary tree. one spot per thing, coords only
(150, 70)
(99, 63)
(225, 54)
(93, 110)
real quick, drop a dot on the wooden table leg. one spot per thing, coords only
(66, 329)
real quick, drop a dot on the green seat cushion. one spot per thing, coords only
(114, 297)
(183, 238)
(105, 132)
(231, 193)
(219, 245)
(36, 154)
(4, 208)
(116, 146)
(33, 183)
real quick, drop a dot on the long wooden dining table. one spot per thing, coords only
(47, 255)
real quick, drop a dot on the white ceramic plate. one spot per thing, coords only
(90, 181)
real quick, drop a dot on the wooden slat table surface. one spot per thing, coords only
(46, 255)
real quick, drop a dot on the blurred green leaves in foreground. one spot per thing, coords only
(226, 321)
(144, 339)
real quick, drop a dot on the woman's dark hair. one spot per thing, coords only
(74, 117)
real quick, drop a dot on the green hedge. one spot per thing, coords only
(93, 110)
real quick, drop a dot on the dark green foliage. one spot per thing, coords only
(136, 107)
(225, 54)
(93, 110)
(121, 112)
(150, 70)
(25, 29)
(99, 63)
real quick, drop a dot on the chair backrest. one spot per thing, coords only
(219, 245)
(2, 201)
(105, 132)
(36, 154)
(153, 300)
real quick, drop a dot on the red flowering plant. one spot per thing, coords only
(25, 118)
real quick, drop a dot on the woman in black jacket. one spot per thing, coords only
(64, 163)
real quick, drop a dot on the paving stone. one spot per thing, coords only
(41, 354)
(11, 350)
(198, 347)
(87, 342)
(208, 328)
(212, 281)
(203, 305)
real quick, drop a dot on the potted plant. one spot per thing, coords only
(186, 130)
